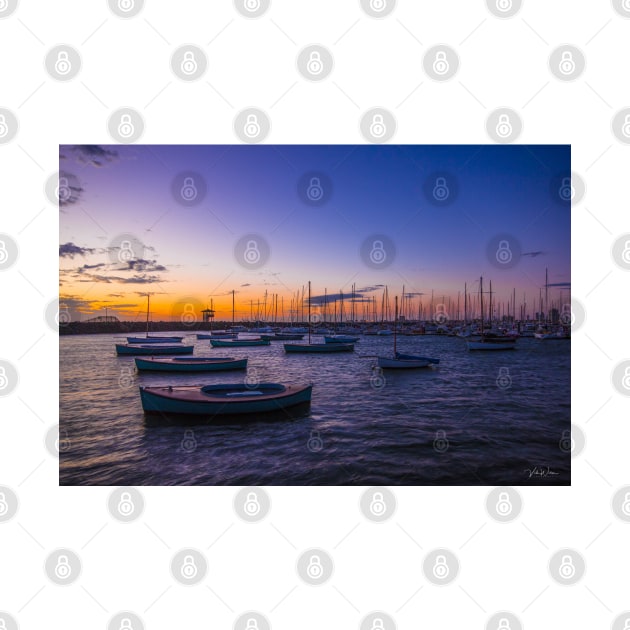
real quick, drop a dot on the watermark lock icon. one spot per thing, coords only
(252, 504)
(378, 504)
(315, 566)
(504, 504)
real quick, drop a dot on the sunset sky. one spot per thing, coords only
(184, 252)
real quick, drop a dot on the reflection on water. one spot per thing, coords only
(479, 418)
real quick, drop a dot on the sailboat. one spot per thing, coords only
(147, 339)
(404, 361)
(489, 340)
(316, 347)
(234, 341)
(340, 337)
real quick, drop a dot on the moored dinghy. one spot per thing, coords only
(404, 361)
(217, 335)
(190, 364)
(152, 349)
(145, 340)
(221, 400)
(238, 343)
(488, 341)
(294, 348)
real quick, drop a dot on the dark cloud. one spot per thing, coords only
(137, 279)
(369, 289)
(84, 268)
(532, 254)
(331, 298)
(140, 264)
(559, 284)
(93, 154)
(359, 296)
(70, 190)
(70, 250)
(247, 284)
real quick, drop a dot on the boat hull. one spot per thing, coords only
(318, 348)
(145, 340)
(190, 365)
(222, 400)
(402, 364)
(341, 339)
(122, 349)
(216, 336)
(238, 343)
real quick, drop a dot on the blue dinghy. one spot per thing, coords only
(220, 400)
(190, 364)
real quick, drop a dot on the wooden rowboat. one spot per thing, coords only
(144, 340)
(237, 343)
(191, 364)
(220, 400)
(152, 349)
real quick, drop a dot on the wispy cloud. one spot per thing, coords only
(70, 190)
(140, 264)
(137, 279)
(91, 154)
(70, 250)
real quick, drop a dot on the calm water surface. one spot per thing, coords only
(450, 425)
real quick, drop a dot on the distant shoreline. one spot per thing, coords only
(95, 328)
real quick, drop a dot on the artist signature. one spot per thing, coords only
(540, 471)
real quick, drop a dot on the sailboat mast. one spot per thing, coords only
(481, 301)
(148, 294)
(352, 314)
(490, 306)
(546, 296)
(341, 310)
(395, 321)
(465, 304)
(402, 306)
(232, 308)
(309, 312)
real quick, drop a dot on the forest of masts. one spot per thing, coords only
(355, 308)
